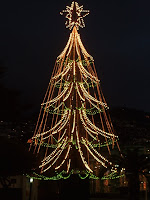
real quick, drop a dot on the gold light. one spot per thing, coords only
(75, 15)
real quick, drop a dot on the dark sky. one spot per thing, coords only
(117, 35)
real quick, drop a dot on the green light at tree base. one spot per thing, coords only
(82, 175)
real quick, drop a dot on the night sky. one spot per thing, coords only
(117, 35)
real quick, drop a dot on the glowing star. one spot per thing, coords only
(75, 15)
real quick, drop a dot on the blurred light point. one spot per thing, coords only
(31, 180)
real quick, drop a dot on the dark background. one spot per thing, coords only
(117, 35)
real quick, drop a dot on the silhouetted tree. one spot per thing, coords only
(15, 160)
(134, 164)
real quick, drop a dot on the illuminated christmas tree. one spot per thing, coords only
(73, 123)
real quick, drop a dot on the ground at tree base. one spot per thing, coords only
(121, 198)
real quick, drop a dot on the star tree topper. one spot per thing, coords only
(75, 15)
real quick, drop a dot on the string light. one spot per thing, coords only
(95, 157)
(81, 153)
(78, 12)
(74, 121)
(79, 93)
(64, 158)
(57, 155)
(68, 93)
(62, 175)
